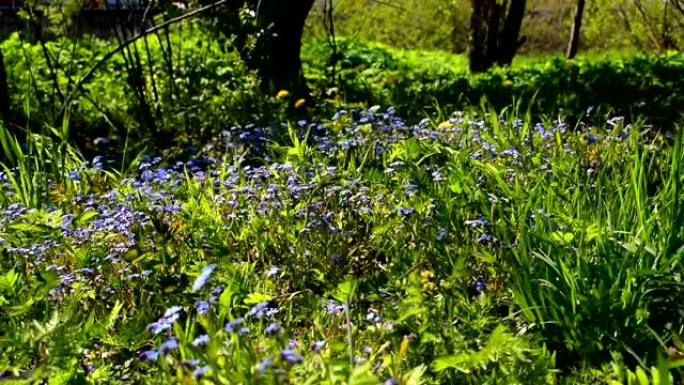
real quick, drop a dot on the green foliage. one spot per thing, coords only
(196, 88)
(193, 87)
(478, 249)
(414, 82)
(431, 24)
(38, 164)
(646, 26)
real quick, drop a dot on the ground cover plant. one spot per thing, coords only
(419, 82)
(476, 247)
(206, 87)
(206, 196)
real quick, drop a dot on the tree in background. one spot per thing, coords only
(279, 45)
(494, 32)
(573, 44)
(268, 34)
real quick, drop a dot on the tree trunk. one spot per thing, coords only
(481, 36)
(510, 41)
(573, 44)
(494, 32)
(278, 50)
(279, 27)
(4, 93)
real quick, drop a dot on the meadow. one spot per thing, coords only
(417, 226)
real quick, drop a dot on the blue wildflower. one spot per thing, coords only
(166, 321)
(173, 310)
(262, 310)
(317, 346)
(273, 329)
(147, 175)
(231, 325)
(511, 152)
(272, 271)
(191, 363)
(480, 284)
(373, 316)
(486, 238)
(74, 175)
(264, 364)
(200, 340)
(291, 357)
(405, 211)
(200, 371)
(441, 234)
(333, 308)
(149, 355)
(437, 176)
(202, 307)
(203, 277)
(479, 222)
(293, 343)
(170, 344)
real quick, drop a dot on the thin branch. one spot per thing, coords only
(110, 54)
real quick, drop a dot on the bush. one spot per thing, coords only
(416, 82)
(195, 87)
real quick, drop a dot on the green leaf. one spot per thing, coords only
(415, 376)
(255, 298)
(345, 290)
(85, 217)
(562, 237)
(113, 315)
(361, 375)
(8, 281)
(455, 361)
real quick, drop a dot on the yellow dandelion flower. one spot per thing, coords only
(299, 103)
(282, 94)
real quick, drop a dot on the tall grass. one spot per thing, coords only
(38, 164)
(599, 266)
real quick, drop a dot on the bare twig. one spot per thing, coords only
(85, 78)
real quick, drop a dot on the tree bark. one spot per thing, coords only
(278, 59)
(494, 32)
(510, 41)
(483, 21)
(279, 27)
(4, 93)
(573, 44)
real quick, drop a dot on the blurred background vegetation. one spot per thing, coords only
(631, 25)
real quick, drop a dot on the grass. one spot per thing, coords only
(475, 248)
(458, 62)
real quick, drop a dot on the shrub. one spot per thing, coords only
(416, 82)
